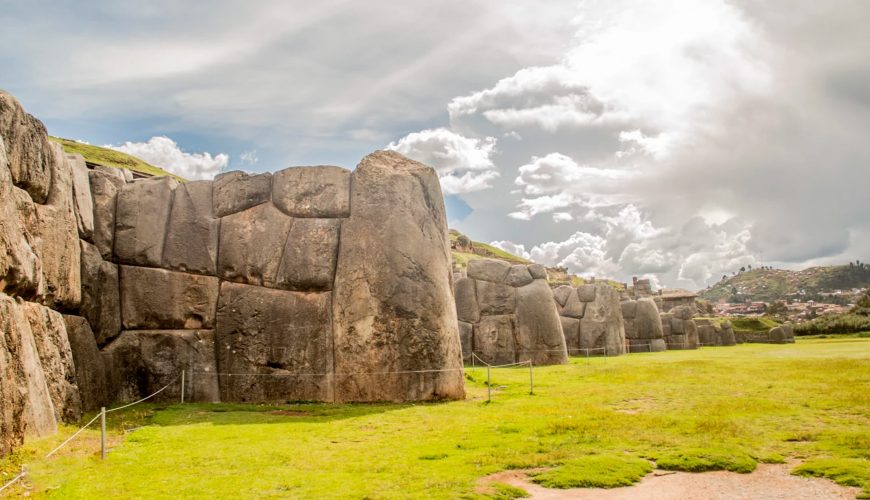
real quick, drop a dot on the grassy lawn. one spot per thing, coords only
(595, 422)
(110, 157)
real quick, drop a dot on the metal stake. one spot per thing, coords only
(182, 386)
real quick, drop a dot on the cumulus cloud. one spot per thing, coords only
(163, 152)
(512, 248)
(463, 164)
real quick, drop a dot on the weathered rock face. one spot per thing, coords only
(512, 313)
(104, 194)
(310, 255)
(192, 234)
(28, 150)
(284, 339)
(251, 245)
(249, 284)
(101, 298)
(91, 374)
(82, 202)
(681, 331)
(322, 191)
(707, 335)
(55, 356)
(144, 361)
(393, 305)
(726, 334)
(141, 220)
(591, 319)
(237, 191)
(643, 325)
(156, 298)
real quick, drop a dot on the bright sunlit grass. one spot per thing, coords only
(597, 423)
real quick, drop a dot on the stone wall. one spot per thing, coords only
(679, 329)
(313, 283)
(39, 276)
(591, 319)
(643, 326)
(506, 314)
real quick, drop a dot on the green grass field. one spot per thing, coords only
(595, 422)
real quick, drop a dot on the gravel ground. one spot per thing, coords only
(767, 482)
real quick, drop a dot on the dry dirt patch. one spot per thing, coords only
(771, 482)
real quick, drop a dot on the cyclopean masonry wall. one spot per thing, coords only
(309, 283)
(313, 283)
(506, 314)
(39, 262)
(591, 319)
(643, 326)
(679, 329)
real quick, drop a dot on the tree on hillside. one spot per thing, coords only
(776, 308)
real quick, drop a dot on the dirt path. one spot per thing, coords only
(767, 482)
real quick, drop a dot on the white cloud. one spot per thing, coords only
(463, 164)
(512, 248)
(163, 152)
(249, 157)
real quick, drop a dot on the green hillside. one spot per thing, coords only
(778, 284)
(483, 251)
(110, 157)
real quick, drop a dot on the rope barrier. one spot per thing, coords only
(14, 480)
(61, 445)
(145, 398)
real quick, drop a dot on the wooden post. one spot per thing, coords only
(488, 386)
(182, 386)
(531, 379)
(103, 432)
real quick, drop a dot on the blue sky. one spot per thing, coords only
(675, 140)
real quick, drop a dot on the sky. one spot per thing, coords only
(674, 140)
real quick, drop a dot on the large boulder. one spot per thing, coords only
(496, 298)
(160, 299)
(90, 370)
(56, 360)
(27, 149)
(105, 185)
(466, 339)
(20, 267)
(141, 219)
(237, 191)
(539, 332)
(602, 326)
(142, 362)
(25, 403)
(277, 344)
(647, 320)
(310, 255)
(393, 302)
(322, 191)
(466, 300)
(57, 240)
(82, 201)
(192, 234)
(101, 296)
(492, 270)
(251, 245)
(494, 341)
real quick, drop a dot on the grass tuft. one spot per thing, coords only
(595, 471)
(844, 471)
(706, 459)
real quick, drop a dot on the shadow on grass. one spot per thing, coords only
(166, 414)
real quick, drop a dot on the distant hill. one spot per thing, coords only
(110, 157)
(815, 283)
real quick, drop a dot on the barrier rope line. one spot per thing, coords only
(61, 445)
(323, 374)
(14, 480)
(146, 397)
